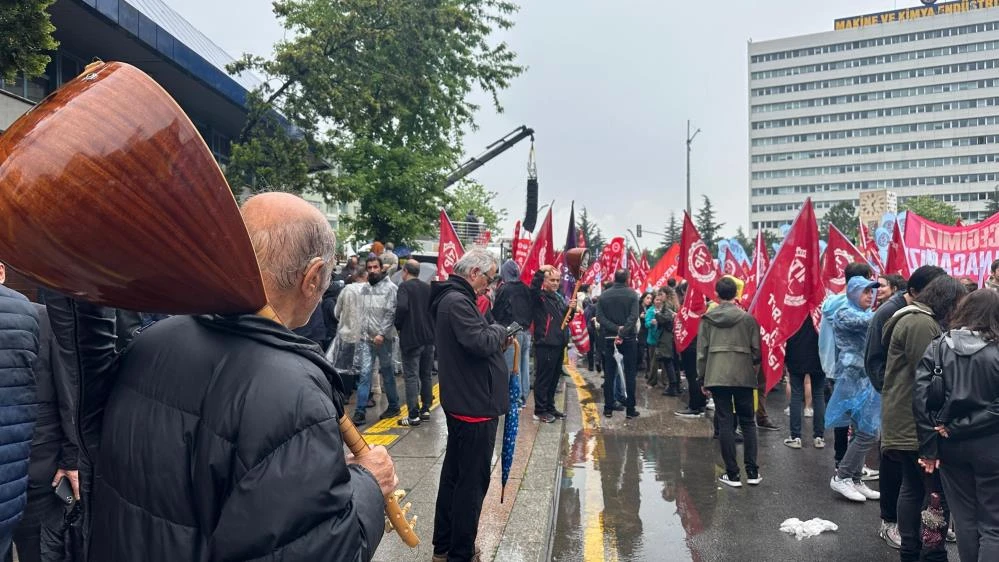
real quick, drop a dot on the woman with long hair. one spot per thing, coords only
(956, 406)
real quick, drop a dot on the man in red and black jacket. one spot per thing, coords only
(550, 340)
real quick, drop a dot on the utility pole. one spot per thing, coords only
(690, 139)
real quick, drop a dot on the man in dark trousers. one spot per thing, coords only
(474, 390)
(514, 304)
(617, 314)
(18, 350)
(416, 342)
(550, 340)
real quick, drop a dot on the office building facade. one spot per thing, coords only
(905, 101)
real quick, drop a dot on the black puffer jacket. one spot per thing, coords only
(220, 442)
(474, 379)
(548, 310)
(970, 373)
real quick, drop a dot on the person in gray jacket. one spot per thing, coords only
(728, 356)
(378, 303)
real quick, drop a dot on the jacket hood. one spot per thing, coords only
(724, 315)
(856, 287)
(440, 289)
(965, 342)
(510, 271)
(889, 327)
(272, 334)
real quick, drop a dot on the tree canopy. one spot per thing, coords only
(843, 216)
(25, 38)
(591, 232)
(707, 226)
(932, 209)
(376, 93)
(471, 196)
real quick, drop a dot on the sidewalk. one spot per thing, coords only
(519, 529)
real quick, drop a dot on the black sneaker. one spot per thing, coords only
(359, 418)
(556, 413)
(390, 413)
(768, 425)
(618, 408)
(688, 413)
(632, 414)
(409, 422)
(608, 413)
(753, 478)
(425, 415)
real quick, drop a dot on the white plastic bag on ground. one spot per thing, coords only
(804, 529)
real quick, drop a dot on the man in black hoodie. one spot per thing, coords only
(416, 342)
(550, 340)
(513, 304)
(474, 389)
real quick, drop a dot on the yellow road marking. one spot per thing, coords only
(594, 536)
(375, 434)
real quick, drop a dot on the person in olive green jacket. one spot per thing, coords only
(906, 336)
(728, 355)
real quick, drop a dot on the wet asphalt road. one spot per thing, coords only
(647, 489)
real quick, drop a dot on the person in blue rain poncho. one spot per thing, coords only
(854, 400)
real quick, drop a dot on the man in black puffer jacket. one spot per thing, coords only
(550, 339)
(18, 349)
(474, 388)
(220, 436)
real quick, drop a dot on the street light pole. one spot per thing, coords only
(690, 139)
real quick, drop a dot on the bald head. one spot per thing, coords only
(288, 236)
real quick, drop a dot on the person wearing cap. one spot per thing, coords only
(854, 401)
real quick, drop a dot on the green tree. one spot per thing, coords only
(25, 38)
(931, 208)
(744, 241)
(843, 216)
(591, 232)
(671, 235)
(472, 196)
(707, 225)
(377, 93)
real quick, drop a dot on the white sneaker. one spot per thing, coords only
(867, 492)
(809, 412)
(733, 483)
(787, 411)
(711, 404)
(869, 474)
(753, 480)
(846, 489)
(819, 443)
(793, 442)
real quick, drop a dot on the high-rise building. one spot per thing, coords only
(905, 101)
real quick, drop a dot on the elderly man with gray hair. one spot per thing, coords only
(474, 389)
(220, 436)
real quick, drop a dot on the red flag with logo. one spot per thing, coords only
(897, 262)
(840, 252)
(592, 273)
(789, 291)
(636, 279)
(644, 263)
(697, 266)
(577, 330)
(732, 267)
(613, 256)
(761, 262)
(688, 319)
(484, 238)
(665, 268)
(449, 248)
(869, 247)
(542, 251)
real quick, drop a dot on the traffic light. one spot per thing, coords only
(638, 230)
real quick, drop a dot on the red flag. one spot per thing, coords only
(581, 242)
(637, 277)
(594, 271)
(761, 262)
(840, 252)
(484, 238)
(898, 261)
(697, 266)
(869, 247)
(541, 252)
(613, 256)
(577, 330)
(644, 263)
(688, 319)
(959, 222)
(665, 268)
(733, 267)
(789, 291)
(521, 247)
(449, 249)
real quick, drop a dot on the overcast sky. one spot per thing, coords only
(609, 89)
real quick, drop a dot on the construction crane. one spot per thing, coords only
(492, 151)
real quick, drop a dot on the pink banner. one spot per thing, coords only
(962, 251)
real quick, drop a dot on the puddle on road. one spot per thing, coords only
(633, 497)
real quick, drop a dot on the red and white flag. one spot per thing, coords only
(613, 256)
(593, 273)
(840, 252)
(732, 267)
(761, 262)
(697, 266)
(542, 251)
(637, 277)
(869, 247)
(789, 292)
(449, 248)
(688, 319)
(644, 264)
(665, 268)
(484, 238)
(898, 261)
(577, 330)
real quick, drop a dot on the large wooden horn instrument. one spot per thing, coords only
(108, 193)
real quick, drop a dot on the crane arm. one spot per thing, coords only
(492, 151)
